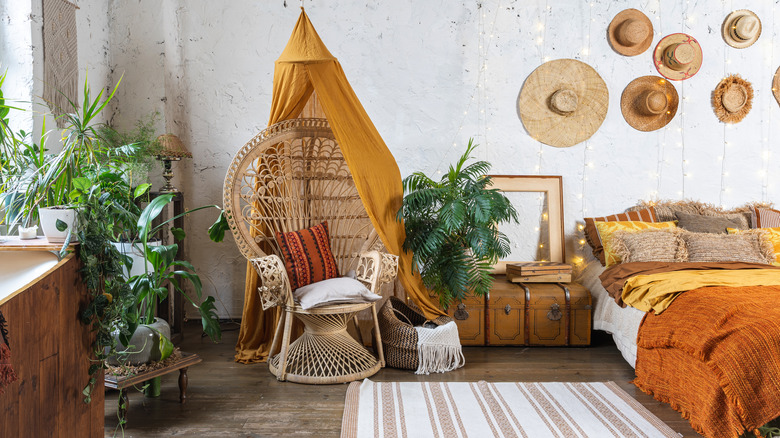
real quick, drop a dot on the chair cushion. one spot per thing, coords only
(340, 290)
(307, 255)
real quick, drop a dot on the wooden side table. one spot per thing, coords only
(122, 382)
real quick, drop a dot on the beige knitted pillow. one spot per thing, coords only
(750, 246)
(654, 245)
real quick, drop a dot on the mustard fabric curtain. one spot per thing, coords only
(306, 65)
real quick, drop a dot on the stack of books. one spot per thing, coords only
(538, 272)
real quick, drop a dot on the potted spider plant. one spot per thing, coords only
(452, 228)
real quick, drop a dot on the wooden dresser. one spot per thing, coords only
(50, 353)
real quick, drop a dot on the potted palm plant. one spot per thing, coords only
(451, 228)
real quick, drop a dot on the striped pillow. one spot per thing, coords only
(307, 255)
(592, 234)
(764, 217)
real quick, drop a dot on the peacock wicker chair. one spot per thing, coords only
(289, 177)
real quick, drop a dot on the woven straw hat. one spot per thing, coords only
(630, 32)
(776, 86)
(563, 102)
(649, 103)
(677, 56)
(741, 28)
(732, 99)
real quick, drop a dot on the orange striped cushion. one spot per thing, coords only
(307, 255)
(764, 217)
(592, 234)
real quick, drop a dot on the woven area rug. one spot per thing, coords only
(505, 409)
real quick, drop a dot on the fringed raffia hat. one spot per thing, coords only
(732, 99)
(630, 32)
(741, 28)
(677, 56)
(563, 102)
(649, 103)
(776, 86)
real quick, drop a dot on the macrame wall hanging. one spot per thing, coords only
(60, 57)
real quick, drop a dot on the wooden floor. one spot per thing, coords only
(226, 399)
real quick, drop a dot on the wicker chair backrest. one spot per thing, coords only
(289, 177)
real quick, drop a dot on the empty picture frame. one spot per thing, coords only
(552, 187)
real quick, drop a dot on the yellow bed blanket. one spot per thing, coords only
(657, 291)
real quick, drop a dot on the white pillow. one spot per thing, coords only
(334, 291)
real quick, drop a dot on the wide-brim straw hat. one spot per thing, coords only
(630, 32)
(732, 99)
(741, 28)
(677, 56)
(649, 103)
(563, 102)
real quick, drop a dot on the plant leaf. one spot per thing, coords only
(217, 230)
(166, 347)
(178, 233)
(140, 190)
(208, 313)
(150, 213)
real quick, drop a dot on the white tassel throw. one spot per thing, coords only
(439, 349)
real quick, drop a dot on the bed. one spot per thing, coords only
(621, 322)
(710, 343)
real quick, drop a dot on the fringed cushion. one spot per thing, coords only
(592, 234)
(606, 229)
(770, 235)
(653, 245)
(307, 255)
(749, 246)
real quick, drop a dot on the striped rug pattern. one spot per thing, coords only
(503, 409)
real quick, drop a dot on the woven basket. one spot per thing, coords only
(399, 338)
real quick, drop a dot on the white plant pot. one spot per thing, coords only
(135, 252)
(49, 216)
(144, 344)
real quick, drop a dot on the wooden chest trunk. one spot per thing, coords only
(537, 314)
(469, 316)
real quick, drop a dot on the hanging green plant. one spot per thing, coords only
(451, 228)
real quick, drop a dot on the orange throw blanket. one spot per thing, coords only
(714, 355)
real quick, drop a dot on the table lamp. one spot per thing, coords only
(172, 150)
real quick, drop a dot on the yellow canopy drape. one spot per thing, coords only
(306, 65)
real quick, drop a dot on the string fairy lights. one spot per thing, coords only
(579, 256)
(678, 170)
(479, 92)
